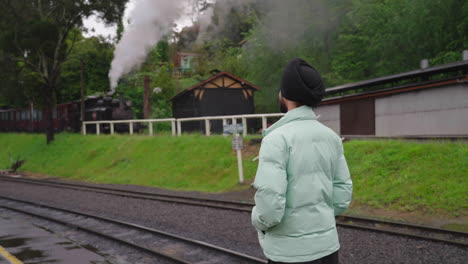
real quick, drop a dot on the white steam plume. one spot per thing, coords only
(150, 20)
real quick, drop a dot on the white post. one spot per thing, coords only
(207, 127)
(112, 128)
(244, 124)
(234, 121)
(98, 129)
(239, 164)
(264, 123)
(150, 125)
(84, 128)
(173, 128)
(224, 125)
(179, 128)
(131, 128)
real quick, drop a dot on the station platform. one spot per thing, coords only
(24, 242)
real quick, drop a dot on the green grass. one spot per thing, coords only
(188, 163)
(399, 175)
(409, 176)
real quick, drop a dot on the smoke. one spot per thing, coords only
(281, 24)
(150, 21)
(209, 28)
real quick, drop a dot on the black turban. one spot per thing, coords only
(302, 83)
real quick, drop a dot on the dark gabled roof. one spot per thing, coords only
(214, 77)
(455, 66)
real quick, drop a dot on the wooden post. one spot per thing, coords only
(32, 117)
(264, 123)
(179, 128)
(174, 132)
(147, 98)
(207, 127)
(131, 128)
(150, 125)
(224, 124)
(112, 128)
(83, 128)
(82, 87)
(244, 124)
(98, 129)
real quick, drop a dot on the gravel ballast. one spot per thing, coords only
(231, 229)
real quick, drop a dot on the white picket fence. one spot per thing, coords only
(177, 123)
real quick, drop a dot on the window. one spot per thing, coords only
(54, 114)
(18, 115)
(39, 116)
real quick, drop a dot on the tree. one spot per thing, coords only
(96, 54)
(35, 33)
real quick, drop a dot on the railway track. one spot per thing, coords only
(161, 244)
(388, 227)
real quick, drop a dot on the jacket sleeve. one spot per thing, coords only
(271, 184)
(342, 184)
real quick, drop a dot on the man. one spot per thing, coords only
(302, 180)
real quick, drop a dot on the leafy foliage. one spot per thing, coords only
(346, 41)
(96, 55)
(39, 35)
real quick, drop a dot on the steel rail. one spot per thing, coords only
(97, 233)
(197, 243)
(195, 201)
(344, 221)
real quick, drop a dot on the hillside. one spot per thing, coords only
(404, 176)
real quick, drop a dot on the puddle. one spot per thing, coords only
(12, 242)
(32, 243)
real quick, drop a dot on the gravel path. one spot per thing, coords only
(232, 229)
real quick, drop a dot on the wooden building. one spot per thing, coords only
(220, 95)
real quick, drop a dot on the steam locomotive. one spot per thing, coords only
(66, 117)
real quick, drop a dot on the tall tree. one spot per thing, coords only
(35, 33)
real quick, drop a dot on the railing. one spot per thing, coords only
(130, 123)
(177, 123)
(233, 118)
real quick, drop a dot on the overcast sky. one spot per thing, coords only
(100, 29)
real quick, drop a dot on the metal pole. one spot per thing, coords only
(112, 128)
(173, 125)
(98, 129)
(264, 123)
(207, 127)
(244, 124)
(150, 125)
(131, 128)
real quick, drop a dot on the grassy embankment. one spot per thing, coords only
(392, 174)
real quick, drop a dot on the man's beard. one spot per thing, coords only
(282, 106)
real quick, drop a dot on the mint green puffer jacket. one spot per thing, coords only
(302, 183)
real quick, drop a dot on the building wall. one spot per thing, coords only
(329, 116)
(435, 111)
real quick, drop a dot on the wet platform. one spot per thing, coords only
(24, 242)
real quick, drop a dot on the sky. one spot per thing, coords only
(96, 27)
